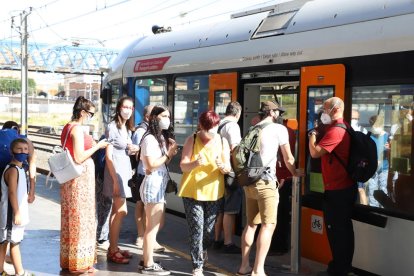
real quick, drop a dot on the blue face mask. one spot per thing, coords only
(21, 157)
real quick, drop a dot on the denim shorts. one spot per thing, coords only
(153, 187)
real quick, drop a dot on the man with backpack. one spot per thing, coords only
(262, 195)
(233, 195)
(340, 189)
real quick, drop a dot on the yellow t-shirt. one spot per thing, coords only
(204, 183)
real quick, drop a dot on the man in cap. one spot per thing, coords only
(262, 197)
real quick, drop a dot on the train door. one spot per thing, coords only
(318, 83)
(222, 91)
(148, 91)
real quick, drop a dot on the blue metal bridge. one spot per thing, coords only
(56, 59)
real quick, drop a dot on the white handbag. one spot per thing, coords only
(62, 165)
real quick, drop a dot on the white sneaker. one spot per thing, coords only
(198, 272)
(139, 242)
(103, 246)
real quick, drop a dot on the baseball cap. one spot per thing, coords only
(271, 105)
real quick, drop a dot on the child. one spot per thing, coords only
(14, 211)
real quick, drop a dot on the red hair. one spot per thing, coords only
(208, 119)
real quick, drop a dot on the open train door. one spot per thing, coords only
(222, 91)
(317, 83)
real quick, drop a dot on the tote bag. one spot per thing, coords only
(62, 165)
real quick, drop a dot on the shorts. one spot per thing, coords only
(232, 201)
(13, 236)
(262, 199)
(153, 187)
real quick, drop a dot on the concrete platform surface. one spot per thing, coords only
(40, 248)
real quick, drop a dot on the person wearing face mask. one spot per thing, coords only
(77, 196)
(14, 193)
(157, 149)
(117, 173)
(204, 161)
(340, 190)
(379, 180)
(262, 197)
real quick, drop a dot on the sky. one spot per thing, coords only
(111, 23)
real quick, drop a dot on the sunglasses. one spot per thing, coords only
(90, 113)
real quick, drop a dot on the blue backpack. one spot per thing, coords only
(6, 138)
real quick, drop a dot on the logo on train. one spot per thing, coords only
(152, 64)
(317, 224)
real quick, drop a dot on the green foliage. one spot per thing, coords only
(13, 86)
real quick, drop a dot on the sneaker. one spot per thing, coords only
(159, 248)
(103, 245)
(155, 269)
(198, 272)
(141, 264)
(139, 242)
(217, 245)
(232, 249)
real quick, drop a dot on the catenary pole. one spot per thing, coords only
(24, 72)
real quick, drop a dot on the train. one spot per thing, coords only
(299, 53)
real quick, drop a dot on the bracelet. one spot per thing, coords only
(168, 158)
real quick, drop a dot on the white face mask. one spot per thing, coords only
(164, 123)
(376, 130)
(126, 114)
(354, 124)
(326, 119)
(87, 120)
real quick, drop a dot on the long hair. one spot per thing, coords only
(117, 118)
(81, 104)
(154, 128)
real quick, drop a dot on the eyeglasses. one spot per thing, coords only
(127, 107)
(90, 113)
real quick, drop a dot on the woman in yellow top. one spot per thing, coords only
(205, 159)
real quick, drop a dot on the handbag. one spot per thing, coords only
(135, 184)
(61, 163)
(172, 186)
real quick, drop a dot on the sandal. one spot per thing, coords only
(83, 271)
(117, 257)
(125, 253)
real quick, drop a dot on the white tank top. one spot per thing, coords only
(6, 211)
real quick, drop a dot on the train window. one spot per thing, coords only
(221, 99)
(316, 97)
(109, 109)
(190, 100)
(387, 112)
(155, 89)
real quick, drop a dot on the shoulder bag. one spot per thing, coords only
(62, 165)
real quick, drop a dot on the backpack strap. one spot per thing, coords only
(261, 126)
(221, 126)
(333, 152)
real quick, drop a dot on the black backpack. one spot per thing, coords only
(363, 157)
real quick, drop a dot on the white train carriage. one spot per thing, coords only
(299, 52)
